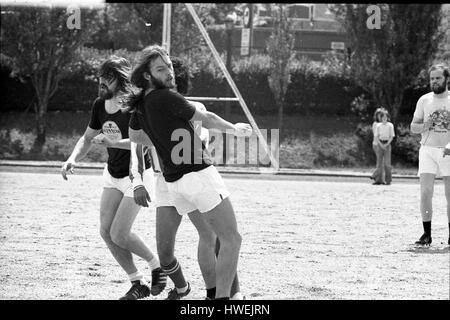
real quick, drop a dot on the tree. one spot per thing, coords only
(40, 46)
(280, 48)
(387, 60)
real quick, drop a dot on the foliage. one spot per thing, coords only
(40, 46)
(385, 61)
(280, 47)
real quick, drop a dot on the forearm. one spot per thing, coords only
(135, 175)
(215, 123)
(81, 149)
(417, 127)
(121, 144)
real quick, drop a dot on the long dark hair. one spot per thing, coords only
(137, 78)
(117, 68)
(181, 73)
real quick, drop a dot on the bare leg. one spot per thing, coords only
(206, 246)
(121, 229)
(223, 222)
(235, 287)
(426, 195)
(447, 195)
(110, 201)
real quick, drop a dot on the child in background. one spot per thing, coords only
(384, 134)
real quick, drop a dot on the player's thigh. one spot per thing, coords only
(204, 229)
(167, 222)
(125, 216)
(223, 220)
(109, 202)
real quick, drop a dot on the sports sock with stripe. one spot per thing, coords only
(173, 270)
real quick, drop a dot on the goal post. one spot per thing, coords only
(238, 97)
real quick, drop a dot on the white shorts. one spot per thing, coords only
(162, 194)
(202, 190)
(431, 160)
(148, 179)
(124, 184)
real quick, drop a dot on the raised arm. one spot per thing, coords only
(213, 122)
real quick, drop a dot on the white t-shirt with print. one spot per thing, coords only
(427, 104)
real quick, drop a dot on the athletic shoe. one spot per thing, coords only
(138, 291)
(159, 281)
(425, 239)
(174, 295)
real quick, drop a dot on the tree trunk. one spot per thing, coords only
(41, 123)
(280, 118)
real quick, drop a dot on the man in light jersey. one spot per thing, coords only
(434, 153)
(168, 218)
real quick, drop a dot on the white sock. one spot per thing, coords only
(154, 263)
(237, 296)
(182, 290)
(137, 276)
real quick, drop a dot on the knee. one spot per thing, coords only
(119, 238)
(207, 239)
(426, 193)
(105, 234)
(233, 240)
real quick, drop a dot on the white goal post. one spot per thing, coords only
(238, 97)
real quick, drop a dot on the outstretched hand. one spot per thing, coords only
(242, 129)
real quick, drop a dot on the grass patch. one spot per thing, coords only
(307, 142)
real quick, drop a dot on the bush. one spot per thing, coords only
(315, 88)
(405, 147)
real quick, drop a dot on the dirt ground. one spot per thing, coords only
(303, 239)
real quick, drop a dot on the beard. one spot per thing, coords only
(105, 94)
(437, 89)
(158, 84)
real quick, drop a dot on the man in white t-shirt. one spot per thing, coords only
(434, 153)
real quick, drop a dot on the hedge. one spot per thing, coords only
(315, 88)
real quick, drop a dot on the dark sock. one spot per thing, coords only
(211, 293)
(223, 298)
(427, 227)
(173, 270)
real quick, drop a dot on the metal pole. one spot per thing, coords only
(166, 26)
(232, 84)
